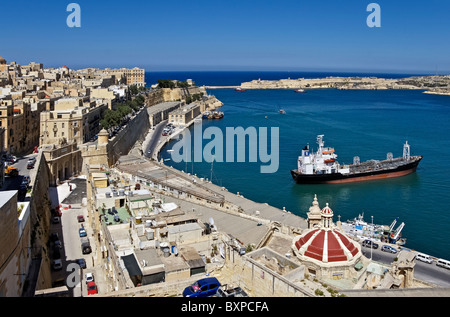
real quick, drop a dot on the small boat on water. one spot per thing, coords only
(205, 114)
(300, 90)
(240, 89)
(282, 111)
(360, 229)
(218, 115)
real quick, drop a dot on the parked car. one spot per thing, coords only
(82, 232)
(32, 160)
(54, 236)
(56, 252)
(424, 258)
(228, 291)
(57, 264)
(89, 277)
(80, 218)
(92, 288)
(30, 165)
(58, 244)
(370, 244)
(23, 188)
(26, 181)
(82, 263)
(55, 219)
(205, 287)
(388, 248)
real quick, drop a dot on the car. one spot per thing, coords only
(91, 288)
(23, 188)
(55, 219)
(30, 165)
(229, 291)
(11, 159)
(388, 248)
(80, 218)
(205, 287)
(26, 181)
(82, 232)
(57, 264)
(54, 236)
(82, 263)
(89, 277)
(369, 244)
(56, 252)
(424, 258)
(32, 160)
(58, 244)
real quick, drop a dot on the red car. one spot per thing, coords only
(92, 288)
(80, 218)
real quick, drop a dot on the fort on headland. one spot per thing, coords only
(438, 84)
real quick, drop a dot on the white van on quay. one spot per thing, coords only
(424, 258)
(443, 263)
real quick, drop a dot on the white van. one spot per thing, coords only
(424, 258)
(443, 263)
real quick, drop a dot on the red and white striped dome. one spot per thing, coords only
(327, 211)
(326, 246)
(325, 242)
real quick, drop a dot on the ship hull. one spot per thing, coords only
(338, 178)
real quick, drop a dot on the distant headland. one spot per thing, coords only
(437, 84)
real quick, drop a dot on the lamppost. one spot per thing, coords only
(371, 242)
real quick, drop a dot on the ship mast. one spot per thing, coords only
(320, 143)
(406, 151)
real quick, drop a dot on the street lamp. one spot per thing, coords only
(371, 242)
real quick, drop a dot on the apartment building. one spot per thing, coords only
(133, 76)
(73, 119)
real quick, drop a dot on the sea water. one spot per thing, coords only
(364, 123)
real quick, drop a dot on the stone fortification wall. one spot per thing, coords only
(176, 94)
(39, 221)
(134, 131)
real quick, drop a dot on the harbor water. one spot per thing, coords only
(364, 123)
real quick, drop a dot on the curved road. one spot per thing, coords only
(422, 271)
(156, 136)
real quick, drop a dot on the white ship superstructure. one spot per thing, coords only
(322, 162)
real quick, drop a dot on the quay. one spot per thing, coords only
(208, 200)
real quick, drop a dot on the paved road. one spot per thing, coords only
(422, 271)
(156, 136)
(78, 193)
(13, 183)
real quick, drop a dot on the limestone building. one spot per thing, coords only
(132, 76)
(184, 114)
(72, 120)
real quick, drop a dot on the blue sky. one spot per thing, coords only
(183, 35)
